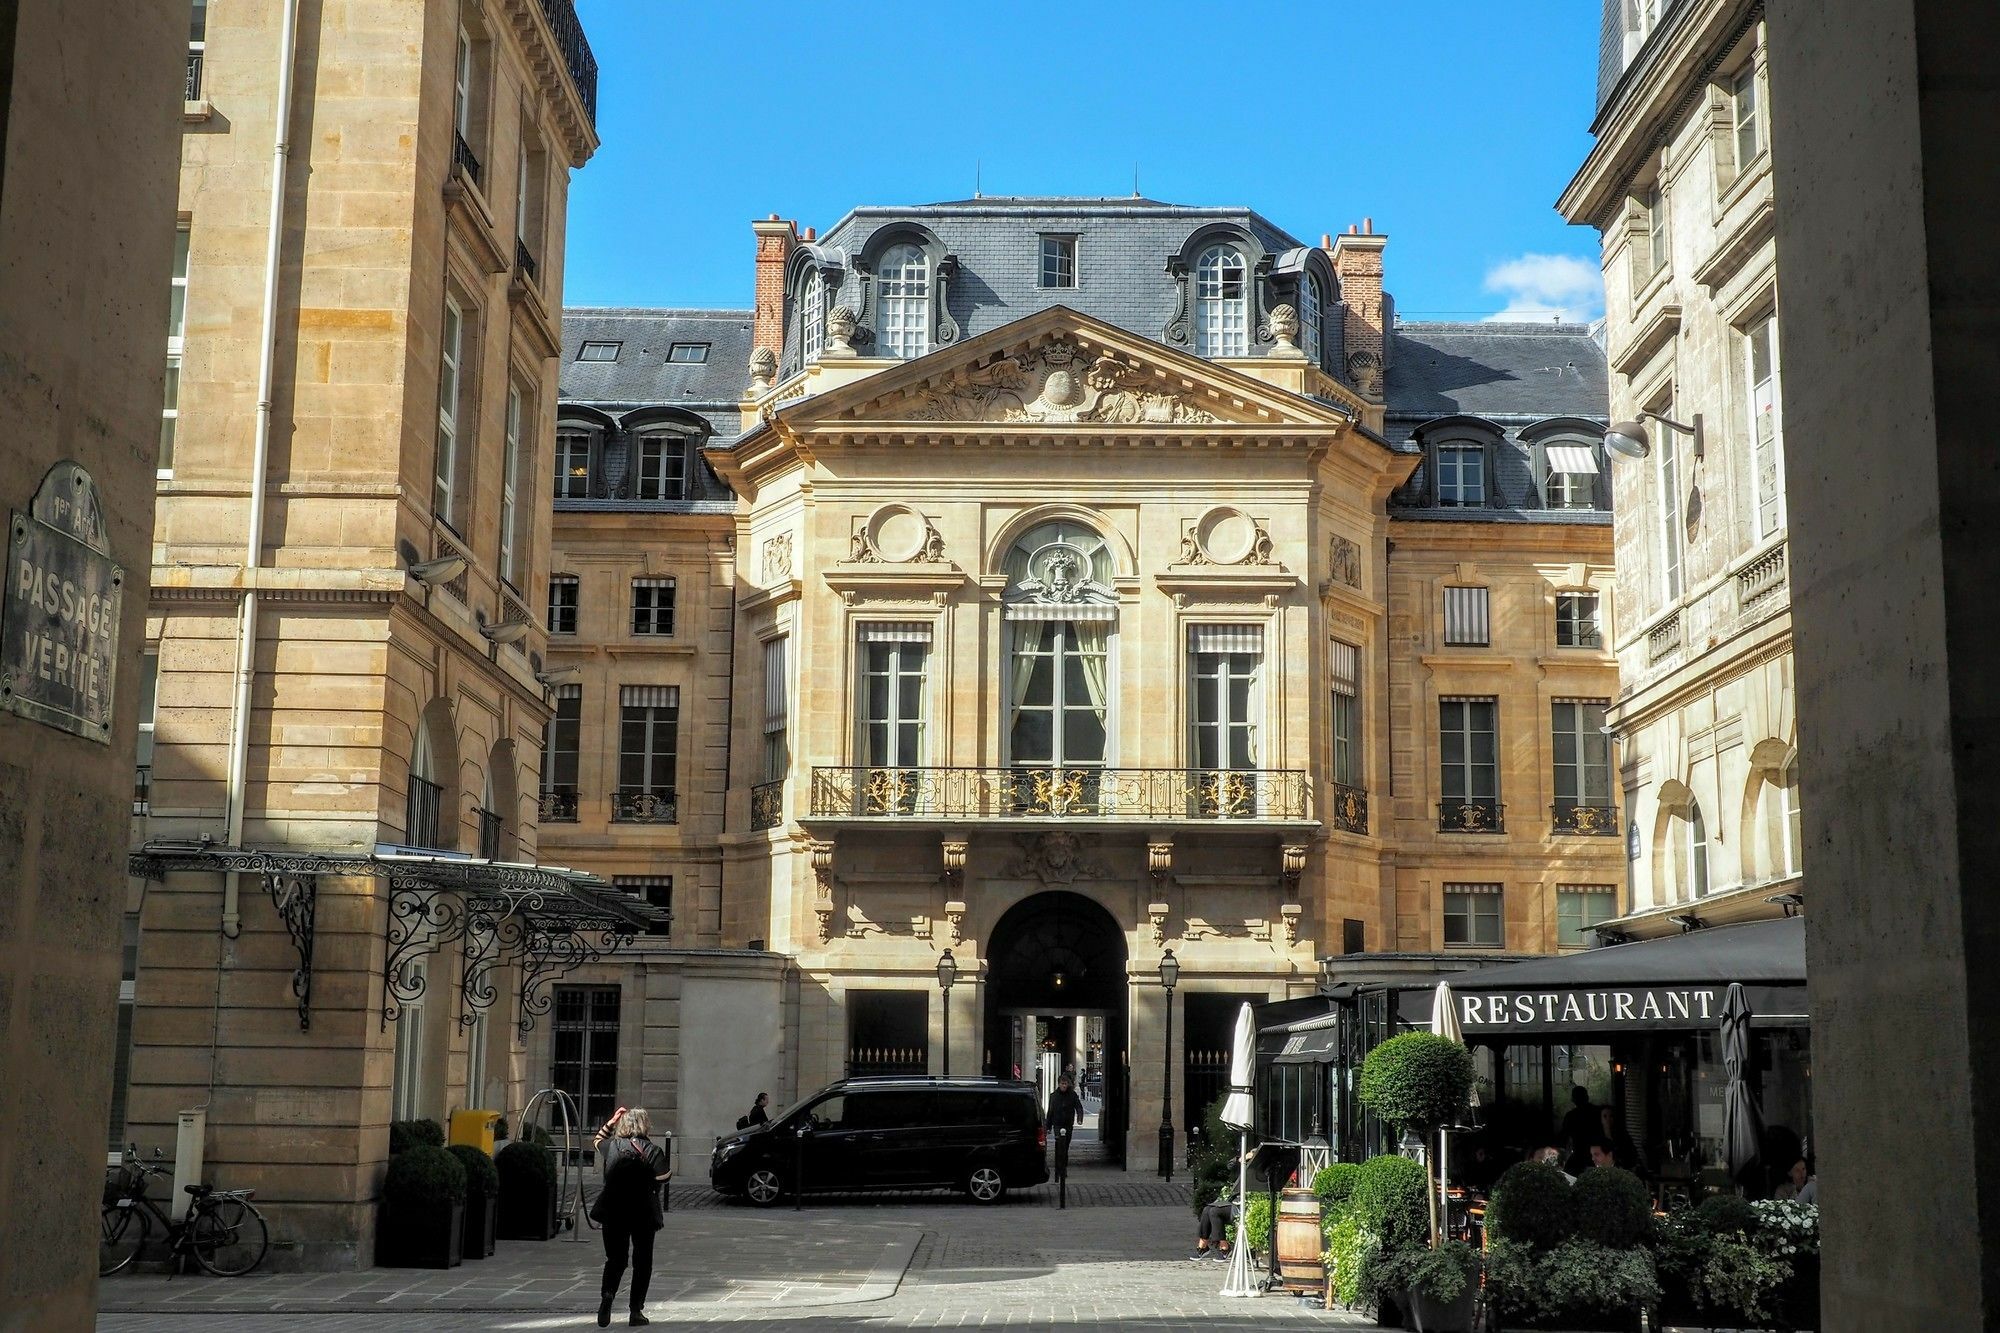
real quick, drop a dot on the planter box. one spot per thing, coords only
(405, 1239)
(1426, 1315)
(482, 1225)
(527, 1213)
(1620, 1321)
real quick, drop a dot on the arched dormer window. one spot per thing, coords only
(1310, 306)
(575, 448)
(812, 317)
(1222, 305)
(904, 309)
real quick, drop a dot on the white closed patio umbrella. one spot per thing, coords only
(1444, 1023)
(1239, 1112)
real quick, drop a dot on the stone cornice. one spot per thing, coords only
(545, 59)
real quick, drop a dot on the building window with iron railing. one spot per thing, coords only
(777, 693)
(1577, 623)
(648, 726)
(1582, 750)
(465, 91)
(1225, 664)
(1468, 766)
(657, 892)
(489, 834)
(563, 589)
(197, 52)
(1350, 795)
(149, 694)
(422, 817)
(1579, 907)
(653, 607)
(560, 757)
(1474, 916)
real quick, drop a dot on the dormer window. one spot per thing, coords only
(1222, 306)
(572, 481)
(812, 318)
(1059, 262)
(904, 275)
(688, 354)
(598, 351)
(663, 467)
(1309, 316)
(1461, 475)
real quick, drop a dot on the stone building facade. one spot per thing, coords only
(336, 918)
(1679, 183)
(1074, 580)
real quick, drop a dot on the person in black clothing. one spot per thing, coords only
(1065, 1112)
(758, 1115)
(1580, 1129)
(628, 1208)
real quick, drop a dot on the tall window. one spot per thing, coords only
(653, 606)
(1346, 720)
(1461, 474)
(812, 317)
(1743, 112)
(197, 48)
(1577, 623)
(648, 726)
(585, 1049)
(1656, 229)
(1060, 609)
(450, 361)
(121, 1051)
(170, 411)
(1222, 306)
(1580, 907)
(1665, 452)
(663, 467)
(1468, 763)
(1760, 345)
(1473, 918)
(560, 746)
(406, 1101)
(1692, 835)
(1794, 839)
(894, 659)
(1225, 660)
(777, 709)
(1582, 755)
(1467, 622)
(423, 813)
(562, 603)
(905, 278)
(462, 76)
(1778, 853)
(476, 1038)
(572, 465)
(510, 474)
(149, 705)
(1059, 261)
(1309, 317)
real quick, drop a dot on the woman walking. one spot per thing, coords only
(628, 1208)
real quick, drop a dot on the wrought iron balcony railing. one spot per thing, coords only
(1477, 815)
(463, 157)
(1597, 821)
(645, 805)
(420, 815)
(524, 260)
(558, 805)
(767, 804)
(1053, 793)
(489, 835)
(582, 65)
(142, 789)
(1350, 808)
(194, 76)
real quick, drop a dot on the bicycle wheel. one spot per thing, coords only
(229, 1238)
(122, 1233)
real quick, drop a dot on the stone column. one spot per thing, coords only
(1889, 312)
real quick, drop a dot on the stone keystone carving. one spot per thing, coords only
(1055, 857)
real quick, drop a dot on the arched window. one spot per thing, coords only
(1061, 606)
(905, 278)
(1309, 316)
(421, 826)
(1222, 307)
(1695, 852)
(812, 318)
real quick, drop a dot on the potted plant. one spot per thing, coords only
(1389, 1205)
(1440, 1285)
(527, 1192)
(421, 1222)
(1570, 1257)
(1419, 1082)
(482, 1200)
(407, 1134)
(1733, 1264)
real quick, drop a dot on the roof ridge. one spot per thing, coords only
(685, 312)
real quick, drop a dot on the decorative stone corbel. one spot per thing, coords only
(1159, 859)
(823, 879)
(1291, 912)
(954, 862)
(954, 916)
(1156, 917)
(1292, 866)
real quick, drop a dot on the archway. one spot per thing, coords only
(1056, 964)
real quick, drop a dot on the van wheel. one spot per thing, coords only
(764, 1186)
(985, 1184)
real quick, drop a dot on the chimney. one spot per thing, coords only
(775, 239)
(1357, 262)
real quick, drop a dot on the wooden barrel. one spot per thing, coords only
(1299, 1241)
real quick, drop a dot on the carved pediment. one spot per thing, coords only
(1058, 382)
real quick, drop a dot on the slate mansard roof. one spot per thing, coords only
(643, 377)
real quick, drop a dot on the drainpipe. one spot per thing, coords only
(253, 558)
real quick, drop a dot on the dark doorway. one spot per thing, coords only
(1211, 1022)
(1060, 956)
(888, 1032)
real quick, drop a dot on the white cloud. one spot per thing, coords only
(1543, 287)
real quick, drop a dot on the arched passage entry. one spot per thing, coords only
(1058, 958)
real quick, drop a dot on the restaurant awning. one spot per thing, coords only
(1651, 985)
(1308, 1041)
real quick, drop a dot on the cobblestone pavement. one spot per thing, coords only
(833, 1267)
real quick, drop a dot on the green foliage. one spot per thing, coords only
(1531, 1205)
(1723, 1271)
(538, 1135)
(1611, 1206)
(1417, 1081)
(1725, 1215)
(407, 1134)
(1392, 1201)
(1439, 1274)
(1213, 1160)
(423, 1178)
(1575, 1278)
(480, 1176)
(524, 1165)
(1257, 1218)
(1786, 1228)
(1335, 1184)
(1350, 1253)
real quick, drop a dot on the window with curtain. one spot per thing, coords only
(777, 687)
(648, 737)
(1580, 907)
(663, 467)
(904, 278)
(894, 658)
(812, 317)
(1467, 622)
(1222, 304)
(573, 464)
(1060, 607)
(1309, 317)
(1224, 662)
(1346, 720)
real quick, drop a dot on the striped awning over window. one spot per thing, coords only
(775, 684)
(569, 691)
(1226, 638)
(1082, 611)
(1344, 666)
(652, 583)
(1576, 459)
(896, 631)
(650, 696)
(1465, 616)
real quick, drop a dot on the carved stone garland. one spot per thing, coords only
(1058, 382)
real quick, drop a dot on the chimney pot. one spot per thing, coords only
(1368, 226)
(1326, 240)
(1353, 230)
(773, 217)
(812, 233)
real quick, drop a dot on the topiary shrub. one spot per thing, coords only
(1212, 1157)
(423, 1179)
(1257, 1221)
(1417, 1081)
(1725, 1215)
(481, 1177)
(527, 1191)
(1531, 1205)
(1335, 1185)
(1611, 1207)
(526, 1163)
(1390, 1200)
(407, 1134)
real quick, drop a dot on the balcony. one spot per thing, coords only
(489, 835)
(1478, 815)
(645, 805)
(142, 790)
(1084, 793)
(767, 804)
(464, 159)
(420, 813)
(194, 75)
(558, 805)
(1592, 821)
(1350, 808)
(575, 48)
(524, 261)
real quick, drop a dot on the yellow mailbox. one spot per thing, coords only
(474, 1129)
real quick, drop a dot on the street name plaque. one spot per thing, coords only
(59, 620)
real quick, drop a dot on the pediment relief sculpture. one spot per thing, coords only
(1058, 382)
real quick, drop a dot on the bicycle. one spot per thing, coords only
(223, 1232)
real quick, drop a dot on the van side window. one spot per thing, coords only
(828, 1114)
(893, 1110)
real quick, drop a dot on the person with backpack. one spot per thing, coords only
(1064, 1115)
(629, 1210)
(758, 1115)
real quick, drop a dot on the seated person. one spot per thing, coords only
(1801, 1185)
(1554, 1157)
(1212, 1229)
(1601, 1153)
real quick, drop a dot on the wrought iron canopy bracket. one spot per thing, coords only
(552, 945)
(297, 899)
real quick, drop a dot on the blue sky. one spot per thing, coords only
(1453, 124)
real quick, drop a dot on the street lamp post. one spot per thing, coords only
(1170, 973)
(947, 972)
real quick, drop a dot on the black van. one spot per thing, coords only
(982, 1135)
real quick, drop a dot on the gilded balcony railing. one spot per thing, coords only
(1477, 815)
(558, 805)
(767, 804)
(1350, 808)
(1088, 792)
(1597, 821)
(645, 805)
